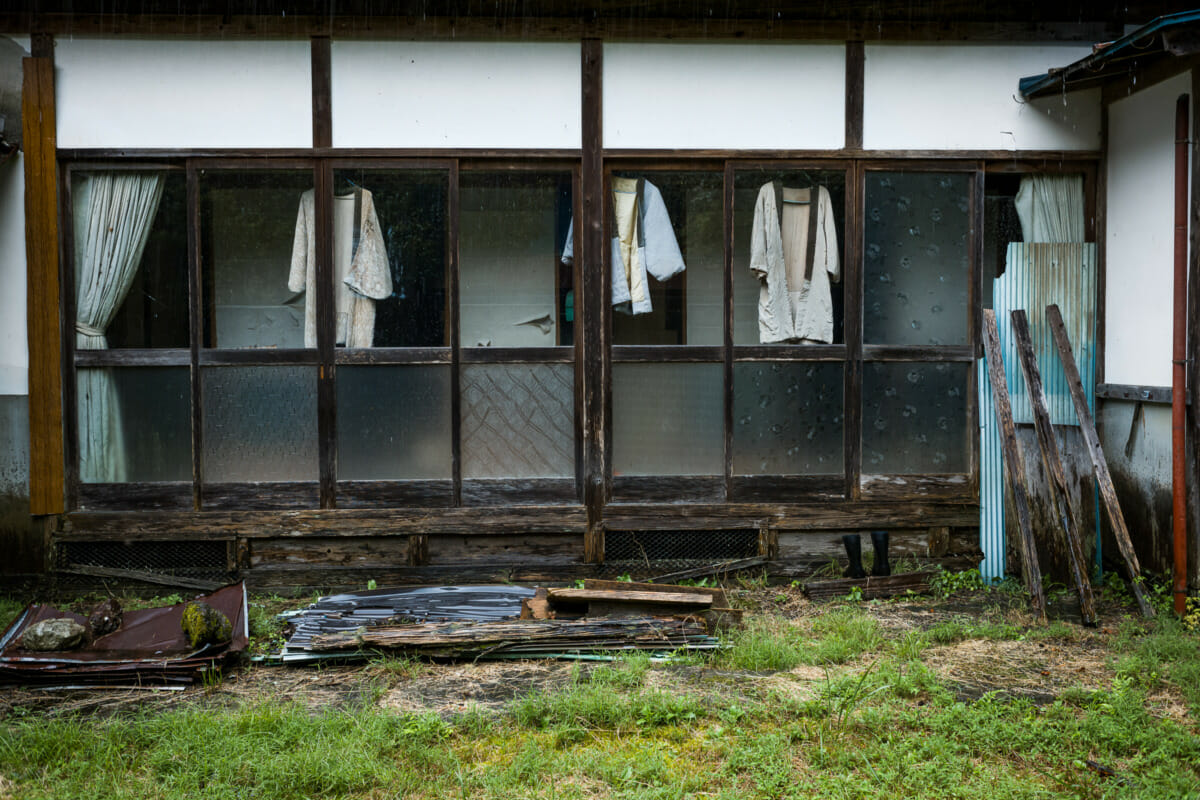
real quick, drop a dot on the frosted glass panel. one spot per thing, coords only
(518, 421)
(248, 224)
(668, 419)
(917, 233)
(260, 424)
(914, 418)
(393, 423)
(748, 286)
(134, 424)
(687, 308)
(787, 419)
(513, 289)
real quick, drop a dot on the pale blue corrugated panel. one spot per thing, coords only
(1037, 275)
(991, 482)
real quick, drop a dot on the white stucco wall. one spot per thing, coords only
(1140, 235)
(181, 93)
(14, 348)
(685, 96)
(963, 97)
(456, 94)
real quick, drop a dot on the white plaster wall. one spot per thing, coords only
(14, 346)
(147, 93)
(963, 97)
(456, 94)
(736, 96)
(1140, 229)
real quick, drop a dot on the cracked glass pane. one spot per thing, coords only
(518, 421)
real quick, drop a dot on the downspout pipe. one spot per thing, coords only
(1179, 357)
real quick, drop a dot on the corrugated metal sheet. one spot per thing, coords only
(1036, 275)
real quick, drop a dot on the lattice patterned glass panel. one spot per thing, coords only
(915, 418)
(393, 423)
(668, 419)
(787, 419)
(518, 421)
(917, 232)
(260, 424)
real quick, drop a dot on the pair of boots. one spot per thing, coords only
(853, 545)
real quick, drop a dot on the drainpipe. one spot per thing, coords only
(1179, 356)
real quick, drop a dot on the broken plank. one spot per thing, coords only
(1059, 493)
(872, 587)
(715, 592)
(616, 596)
(139, 575)
(1014, 468)
(1087, 427)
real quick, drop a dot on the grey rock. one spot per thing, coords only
(61, 633)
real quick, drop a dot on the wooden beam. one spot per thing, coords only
(1087, 427)
(855, 71)
(46, 452)
(140, 575)
(591, 310)
(1060, 496)
(1014, 468)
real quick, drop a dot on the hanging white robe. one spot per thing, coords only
(362, 275)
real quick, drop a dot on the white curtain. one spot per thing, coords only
(1051, 208)
(113, 215)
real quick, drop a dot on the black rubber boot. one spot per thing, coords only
(879, 540)
(853, 546)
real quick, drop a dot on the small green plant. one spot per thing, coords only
(944, 583)
(855, 595)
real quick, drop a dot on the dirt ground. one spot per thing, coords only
(1038, 668)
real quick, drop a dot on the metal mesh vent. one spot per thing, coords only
(194, 559)
(667, 551)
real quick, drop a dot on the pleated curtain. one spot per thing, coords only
(113, 215)
(1050, 208)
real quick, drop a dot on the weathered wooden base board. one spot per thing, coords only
(871, 588)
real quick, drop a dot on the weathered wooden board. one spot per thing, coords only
(632, 597)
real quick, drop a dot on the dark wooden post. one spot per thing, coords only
(1014, 468)
(1103, 479)
(1060, 496)
(46, 457)
(591, 305)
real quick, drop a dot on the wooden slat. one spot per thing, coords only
(716, 595)
(139, 575)
(1060, 494)
(1014, 467)
(871, 587)
(1087, 427)
(623, 596)
(46, 452)
(855, 71)
(322, 105)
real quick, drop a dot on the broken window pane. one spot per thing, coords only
(134, 424)
(130, 259)
(668, 270)
(668, 419)
(260, 424)
(787, 274)
(787, 419)
(914, 418)
(518, 421)
(393, 423)
(391, 259)
(514, 291)
(255, 259)
(916, 239)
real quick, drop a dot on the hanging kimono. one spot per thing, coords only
(643, 243)
(360, 267)
(794, 253)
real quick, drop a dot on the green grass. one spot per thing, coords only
(880, 723)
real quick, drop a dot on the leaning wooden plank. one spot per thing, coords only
(715, 592)
(872, 587)
(1014, 468)
(719, 568)
(138, 575)
(1087, 427)
(1059, 493)
(640, 598)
